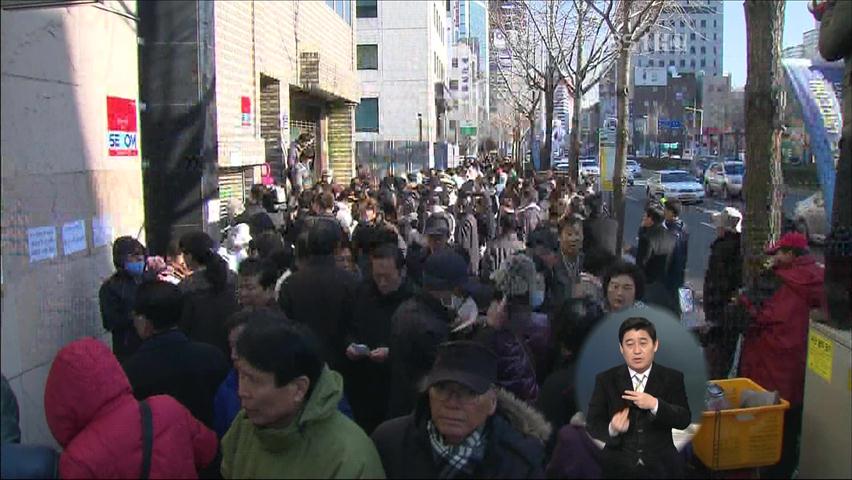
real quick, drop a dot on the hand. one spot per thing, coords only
(353, 354)
(496, 315)
(379, 355)
(640, 399)
(621, 421)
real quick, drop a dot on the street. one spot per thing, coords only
(698, 222)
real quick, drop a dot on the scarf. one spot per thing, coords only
(456, 459)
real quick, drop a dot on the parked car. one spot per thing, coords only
(677, 184)
(725, 178)
(809, 215)
(589, 168)
(634, 168)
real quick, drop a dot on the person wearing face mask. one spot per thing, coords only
(118, 293)
(421, 323)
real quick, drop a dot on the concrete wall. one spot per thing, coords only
(405, 81)
(59, 65)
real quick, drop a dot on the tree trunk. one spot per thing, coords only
(574, 161)
(763, 183)
(548, 119)
(622, 85)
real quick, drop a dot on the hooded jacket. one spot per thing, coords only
(516, 434)
(93, 416)
(775, 346)
(320, 443)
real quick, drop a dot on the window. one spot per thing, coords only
(455, 62)
(692, 50)
(703, 62)
(661, 63)
(366, 9)
(703, 23)
(682, 24)
(454, 84)
(343, 8)
(671, 62)
(682, 63)
(368, 57)
(692, 36)
(714, 23)
(367, 115)
(692, 63)
(703, 49)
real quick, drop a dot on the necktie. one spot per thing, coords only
(639, 382)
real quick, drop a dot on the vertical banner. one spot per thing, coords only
(245, 109)
(122, 132)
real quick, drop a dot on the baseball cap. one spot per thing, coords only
(789, 240)
(464, 362)
(437, 225)
(729, 218)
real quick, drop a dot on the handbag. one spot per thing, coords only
(147, 439)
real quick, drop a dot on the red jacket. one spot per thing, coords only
(775, 346)
(91, 412)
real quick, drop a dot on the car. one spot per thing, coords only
(677, 184)
(561, 166)
(724, 178)
(589, 168)
(634, 168)
(809, 215)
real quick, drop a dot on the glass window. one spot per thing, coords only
(455, 62)
(661, 63)
(682, 63)
(703, 23)
(703, 49)
(454, 84)
(368, 57)
(692, 36)
(367, 115)
(692, 63)
(692, 50)
(671, 62)
(366, 9)
(703, 62)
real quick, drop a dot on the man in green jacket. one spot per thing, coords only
(289, 426)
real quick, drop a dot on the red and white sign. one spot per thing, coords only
(122, 133)
(245, 109)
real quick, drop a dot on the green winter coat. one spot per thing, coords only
(320, 443)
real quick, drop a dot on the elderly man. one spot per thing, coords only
(463, 425)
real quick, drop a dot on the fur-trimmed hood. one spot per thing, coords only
(522, 416)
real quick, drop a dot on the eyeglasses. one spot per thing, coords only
(443, 392)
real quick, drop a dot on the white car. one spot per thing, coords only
(677, 184)
(725, 178)
(589, 168)
(809, 215)
(634, 168)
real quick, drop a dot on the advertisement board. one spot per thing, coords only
(122, 131)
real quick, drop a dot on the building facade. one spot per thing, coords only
(227, 86)
(689, 38)
(71, 180)
(403, 69)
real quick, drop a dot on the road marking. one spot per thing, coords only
(704, 210)
(708, 225)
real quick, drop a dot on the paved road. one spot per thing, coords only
(698, 222)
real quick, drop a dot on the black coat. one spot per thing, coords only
(649, 437)
(321, 296)
(116, 297)
(367, 383)
(515, 443)
(170, 364)
(205, 311)
(680, 255)
(419, 325)
(655, 253)
(722, 280)
(600, 233)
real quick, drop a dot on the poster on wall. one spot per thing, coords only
(245, 109)
(122, 132)
(41, 242)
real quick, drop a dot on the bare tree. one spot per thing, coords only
(629, 21)
(763, 107)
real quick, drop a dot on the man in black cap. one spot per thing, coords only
(437, 237)
(464, 426)
(422, 323)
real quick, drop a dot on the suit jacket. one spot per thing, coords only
(649, 436)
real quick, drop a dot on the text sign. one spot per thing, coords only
(245, 109)
(74, 237)
(820, 355)
(41, 242)
(122, 131)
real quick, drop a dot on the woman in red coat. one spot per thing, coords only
(775, 345)
(91, 412)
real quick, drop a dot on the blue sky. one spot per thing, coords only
(797, 20)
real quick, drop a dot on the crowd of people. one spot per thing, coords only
(418, 326)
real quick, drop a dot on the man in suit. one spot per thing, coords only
(635, 406)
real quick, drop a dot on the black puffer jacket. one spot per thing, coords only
(516, 435)
(419, 325)
(116, 297)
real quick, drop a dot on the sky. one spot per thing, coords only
(797, 20)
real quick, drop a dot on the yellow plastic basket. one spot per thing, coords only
(740, 437)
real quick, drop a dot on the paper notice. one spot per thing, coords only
(74, 237)
(41, 242)
(820, 355)
(101, 231)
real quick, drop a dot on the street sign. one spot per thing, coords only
(468, 131)
(122, 133)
